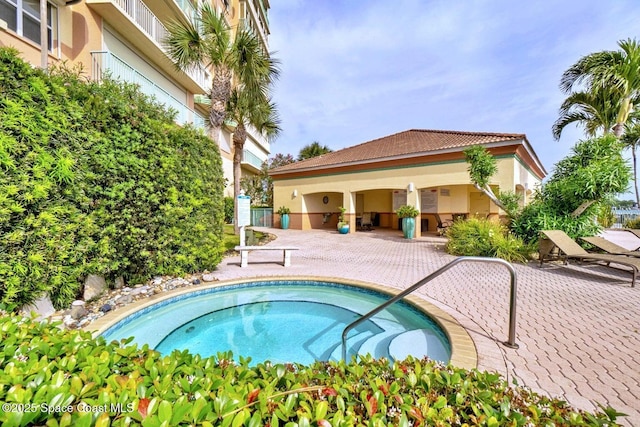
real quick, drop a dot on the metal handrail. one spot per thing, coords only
(511, 341)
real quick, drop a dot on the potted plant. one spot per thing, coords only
(408, 215)
(343, 226)
(284, 212)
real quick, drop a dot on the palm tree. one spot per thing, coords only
(631, 139)
(239, 65)
(313, 150)
(595, 111)
(247, 108)
(206, 40)
(612, 71)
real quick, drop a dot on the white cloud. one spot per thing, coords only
(354, 71)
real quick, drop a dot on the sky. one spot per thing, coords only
(357, 70)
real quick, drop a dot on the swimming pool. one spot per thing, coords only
(283, 321)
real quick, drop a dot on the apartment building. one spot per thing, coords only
(124, 38)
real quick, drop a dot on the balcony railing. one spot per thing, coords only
(139, 13)
(187, 7)
(251, 159)
(107, 63)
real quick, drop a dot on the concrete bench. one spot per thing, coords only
(244, 253)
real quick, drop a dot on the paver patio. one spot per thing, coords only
(577, 328)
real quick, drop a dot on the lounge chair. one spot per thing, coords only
(556, 244)
(609, 247)
(444, 221)
(635, 231)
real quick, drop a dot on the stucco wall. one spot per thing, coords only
(304, 195)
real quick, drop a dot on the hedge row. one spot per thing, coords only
(96, 178)
(67, 378)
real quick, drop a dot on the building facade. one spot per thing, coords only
(422, 168)
(124, 39)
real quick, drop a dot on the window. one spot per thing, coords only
(23, 17)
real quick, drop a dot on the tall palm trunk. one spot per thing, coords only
(239, 138)
(220, 93)
(635, 173)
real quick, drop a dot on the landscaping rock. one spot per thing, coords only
(119, 283)
(112, 299)
(42, 307)
(77, 310)
(209, 277)
(94, 286)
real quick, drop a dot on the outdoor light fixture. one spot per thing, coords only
(411, 187)
(295, 193)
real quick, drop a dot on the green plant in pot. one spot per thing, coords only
(343, 226)
(284, 212)
(408, 214)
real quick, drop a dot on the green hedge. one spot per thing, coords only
(482, 237)
(65, 378)
(97, 178)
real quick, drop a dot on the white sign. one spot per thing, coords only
(244, 210)
(399, 199)
(429, 201)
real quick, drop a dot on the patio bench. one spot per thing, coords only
(286, 253)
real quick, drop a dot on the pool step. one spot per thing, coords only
(376, 345)
(395, 346)
(418, 343)
(353, 344)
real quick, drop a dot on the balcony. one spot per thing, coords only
(251, 161)
(135, 21)
(107, 63)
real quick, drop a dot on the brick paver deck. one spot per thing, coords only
(578, 327)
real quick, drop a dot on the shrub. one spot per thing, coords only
(538, 216)
(605, 215)
(86, 381)
(406, 211)
(228, 210)
(97, 178)
(632, 223)
(481, 237)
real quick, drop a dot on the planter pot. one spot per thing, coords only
(408, 227)
(344, 229)
(284, 221)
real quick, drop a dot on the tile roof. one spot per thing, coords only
(408, 143)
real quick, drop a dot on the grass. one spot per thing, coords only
(232, 240)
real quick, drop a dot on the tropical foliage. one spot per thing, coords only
(65, 378)
(593, 173)
(314, 149)
(482, 237)
(482, 166)
(594, 111)
(242, 74)
(98, 179)
(407, 211)
(604, 90)
(614, 72)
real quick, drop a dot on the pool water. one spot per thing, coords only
(284, 321)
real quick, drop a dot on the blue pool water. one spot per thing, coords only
(284, 321)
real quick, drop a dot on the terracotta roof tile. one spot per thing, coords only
(407, 143)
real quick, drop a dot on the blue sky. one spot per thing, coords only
(357, 70)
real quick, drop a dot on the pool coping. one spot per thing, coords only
(463, 350)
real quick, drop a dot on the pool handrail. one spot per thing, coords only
(511, 341)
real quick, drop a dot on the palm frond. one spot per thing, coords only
(184, 44)
(216, 33)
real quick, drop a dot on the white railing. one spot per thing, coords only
(250, 158)
(139, 13)
(107, 63)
